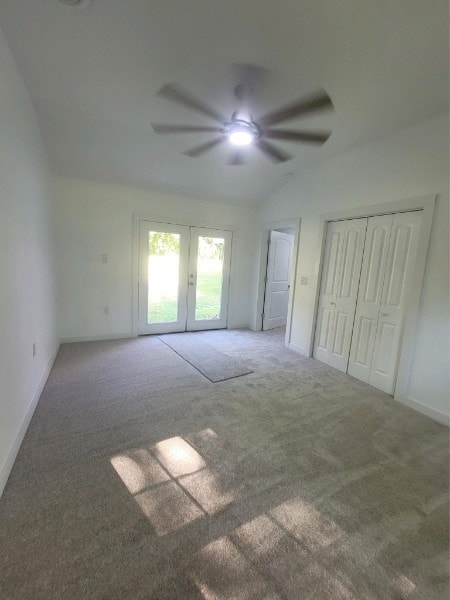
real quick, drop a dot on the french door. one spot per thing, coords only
(183, 277)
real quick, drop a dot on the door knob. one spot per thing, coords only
(191, 283)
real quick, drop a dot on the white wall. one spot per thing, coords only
(411, 163)
(27, 305)
(94, 219)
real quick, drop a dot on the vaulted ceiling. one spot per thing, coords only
(93, 73)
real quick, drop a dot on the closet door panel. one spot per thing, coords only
(369, 296)
(338, 355)
(347, 292)
(332, 259)
(323, 331)
(365, 333)
(328, 290)
(384, 354)
(399, 270)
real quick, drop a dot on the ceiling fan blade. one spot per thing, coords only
(311, 137)
(237, 158)
(314, 103)
(176, 94)
(272, 152)
(163, 129)
(198, 150)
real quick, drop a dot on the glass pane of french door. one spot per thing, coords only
(208, 296)
(163, 261)
(209, 272)
(163, 276)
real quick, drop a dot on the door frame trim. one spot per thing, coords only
(136, 218)
(264, 251)
(406, 349)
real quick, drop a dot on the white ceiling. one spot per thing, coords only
(93, 74)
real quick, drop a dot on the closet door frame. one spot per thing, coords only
(406, 350)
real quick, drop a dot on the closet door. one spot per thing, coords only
(347, 292)
(339, 288)
(328, 290)
(399, 270)
(369, 296)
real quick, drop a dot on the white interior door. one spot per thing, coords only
(367, 271)
(347, 293)
(163, 263)
(184, 277)
(369, 296)
(209, 275)
(279, 262)
(339, 289)
(328, 290)
(399, 270)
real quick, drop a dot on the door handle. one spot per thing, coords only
(384, 314)
(332, 303)
(191, 283)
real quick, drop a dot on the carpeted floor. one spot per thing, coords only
(140, 479)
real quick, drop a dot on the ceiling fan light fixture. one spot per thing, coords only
(241, 132)
(241, 138)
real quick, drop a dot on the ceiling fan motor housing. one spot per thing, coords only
(238, 124)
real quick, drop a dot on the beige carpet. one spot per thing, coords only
(139, 479)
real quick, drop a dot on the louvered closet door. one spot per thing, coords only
(369, 296)
(399, 270)
(342, 265)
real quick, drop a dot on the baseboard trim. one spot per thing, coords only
(12, 455)
(433, 413)
(298, 349)
(98, 338)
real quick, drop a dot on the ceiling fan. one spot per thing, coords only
(241, 129)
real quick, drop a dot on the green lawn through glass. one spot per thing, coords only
(209, 278)
(163, 274)
(163, 269)
(209, 292)
(211, 285)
